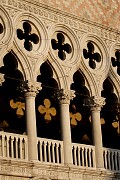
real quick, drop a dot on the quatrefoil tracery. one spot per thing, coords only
(91, 55)
(62, 47)
(27, 36)
(116, 61)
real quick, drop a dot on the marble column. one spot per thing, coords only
(95, 103)
(30, 91)
(64, 96)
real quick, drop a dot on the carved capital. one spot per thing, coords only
(95, 102)
(64, 96)
(2, 79)
(31, 88)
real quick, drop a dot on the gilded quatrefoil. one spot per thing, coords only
(19, 106)
(47, 110)
(75, 116)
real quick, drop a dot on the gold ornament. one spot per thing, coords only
(47, 110)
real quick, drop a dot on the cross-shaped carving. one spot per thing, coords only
(75, 116)
(116, 61)
(61, 46)
(91, 55)
(47, 110)
(19, 106)
(27, 36)
(1, 28)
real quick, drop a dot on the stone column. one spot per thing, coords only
(31, 89)
(95, 103)
(64, 96)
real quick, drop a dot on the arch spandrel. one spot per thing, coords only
(23, 63)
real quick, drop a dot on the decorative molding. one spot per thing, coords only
(73, 21)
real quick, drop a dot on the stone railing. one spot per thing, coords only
(111, 159)
(50, 150)
(13, 146)
(83, 155)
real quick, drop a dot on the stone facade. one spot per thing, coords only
(77, 23)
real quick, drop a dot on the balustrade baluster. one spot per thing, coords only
(48, 154)
(57, 156)
(21, 157)
(109, 162)
(78, 156)
(115, 160)
(53, 153)
(44, 147)
(41, 151)
(3, 145)
(16, 147)
(11, 147)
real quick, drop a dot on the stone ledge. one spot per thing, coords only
(11, 169)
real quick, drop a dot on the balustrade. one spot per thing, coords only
(83, 155)
(13, 146)
(50, 150)
(111, 159)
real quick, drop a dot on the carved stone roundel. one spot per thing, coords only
(31, 35)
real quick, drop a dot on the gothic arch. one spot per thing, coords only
(59, 72)
(97, 74)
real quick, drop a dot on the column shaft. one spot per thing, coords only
(66, 133)
(97, 138)
(64, 96)
(31, 127)
(31, 89)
